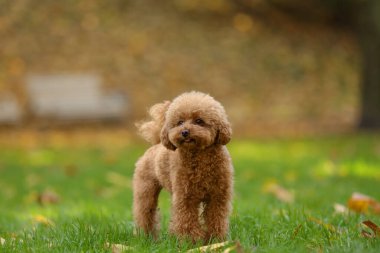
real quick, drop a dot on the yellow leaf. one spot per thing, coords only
(2, 241)
(229, 249)
(43, 220)
(118, 248)
(242, 22)
(361, 203)
(210, 247)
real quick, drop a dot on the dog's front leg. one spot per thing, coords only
(185, 218)
(216, 214)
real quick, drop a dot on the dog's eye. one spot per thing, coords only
(199, 121)
(179, 122)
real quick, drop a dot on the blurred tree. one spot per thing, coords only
(361, 18)
(367, 28)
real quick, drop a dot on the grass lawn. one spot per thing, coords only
(78, 199)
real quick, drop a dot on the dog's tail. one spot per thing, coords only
(150, 130)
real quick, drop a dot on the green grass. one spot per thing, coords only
(95, 197)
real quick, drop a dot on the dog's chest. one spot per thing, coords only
(198, 181)
(198, 175)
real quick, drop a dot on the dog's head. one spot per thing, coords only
(195, 120)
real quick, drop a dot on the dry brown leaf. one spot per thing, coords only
(210, 247)
(296, 230)
(279, 192)
(375, 229)
(361, 203)
(47, 197)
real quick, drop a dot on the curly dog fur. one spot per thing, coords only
(189, 159)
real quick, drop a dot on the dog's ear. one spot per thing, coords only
(165, 139)
(223, 135)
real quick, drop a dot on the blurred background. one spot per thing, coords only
(280, 67)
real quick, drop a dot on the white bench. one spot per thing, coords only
(70, 97)
(10, 110)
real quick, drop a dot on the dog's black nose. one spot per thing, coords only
(185, 133)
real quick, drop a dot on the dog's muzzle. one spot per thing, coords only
(185, 133)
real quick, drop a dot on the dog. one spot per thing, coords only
(190, 160)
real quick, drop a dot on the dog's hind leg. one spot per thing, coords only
(145, 198)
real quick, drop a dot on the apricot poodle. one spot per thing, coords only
(189, 159)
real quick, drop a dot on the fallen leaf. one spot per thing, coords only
(210, 247)
(43, 220)
(366, 234)
(325, 225)
(296, 230)
(237, 247)
(47, 197)
(242, 22)
(340, 209)
(118, 180)
(375, 228)
(12, 240)
(229, 249)
(279, 192)
(118, 248)
(361, 203)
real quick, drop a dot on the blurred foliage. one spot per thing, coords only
(272, 74)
